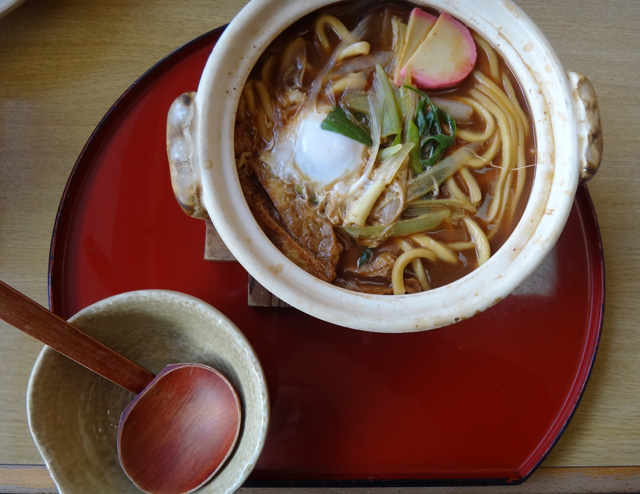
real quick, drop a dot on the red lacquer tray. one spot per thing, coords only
(483, 401)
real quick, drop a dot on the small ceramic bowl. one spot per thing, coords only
(569, 148)
(73, 413)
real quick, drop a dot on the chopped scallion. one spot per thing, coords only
(433, 140)
(390, 151)
(338, 121)
(364, 258)
(400, 228)
(386, 95)
(413, 136)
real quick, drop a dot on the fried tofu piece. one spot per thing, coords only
(305, 238)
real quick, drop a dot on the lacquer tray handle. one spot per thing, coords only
(587, 113)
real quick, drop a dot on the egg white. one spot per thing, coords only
(305, 153)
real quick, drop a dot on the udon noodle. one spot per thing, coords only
(429, 197)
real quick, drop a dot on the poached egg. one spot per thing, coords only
(304, 152)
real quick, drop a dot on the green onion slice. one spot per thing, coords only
(338, 121)
(364, 258)
(424, 223)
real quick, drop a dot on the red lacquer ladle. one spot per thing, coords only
(179, 430)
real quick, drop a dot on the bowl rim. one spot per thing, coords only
(534, 63)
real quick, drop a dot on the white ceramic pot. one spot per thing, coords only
(569, 148)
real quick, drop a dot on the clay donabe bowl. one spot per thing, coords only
(568, 143)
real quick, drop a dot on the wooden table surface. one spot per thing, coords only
(64, 62)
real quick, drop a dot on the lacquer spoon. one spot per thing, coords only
(179, 430)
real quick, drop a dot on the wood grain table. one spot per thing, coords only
(64, 62)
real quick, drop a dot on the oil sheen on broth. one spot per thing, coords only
(369, 167)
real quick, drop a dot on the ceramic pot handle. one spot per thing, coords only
(587, 112)
(183, 164)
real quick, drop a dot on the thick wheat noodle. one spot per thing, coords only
(496, 93)
(459, 246)
(346, 38)
(515, 113)
(264, 112)
(521, 166)
(397, 274)
(266, 75)
(523, 130)
(421, 273)
(494, 66)
(417, 266)
(490, 130)
(506, 202)
(506, 131)
(516, 117)
(250, 98)
(503, 207)
(265, 99)
(441, 251)
(354, 50)
(522, 177)
(490, 153)
(516, 192)
(457, 194)
(506, 173)
(264, 125)
(483, 250)
(522, 125)
(325, 21)
(469, 136)
(352, 81)
(511, 94)
(475, 194)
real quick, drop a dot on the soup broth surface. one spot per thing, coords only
(365, 208)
